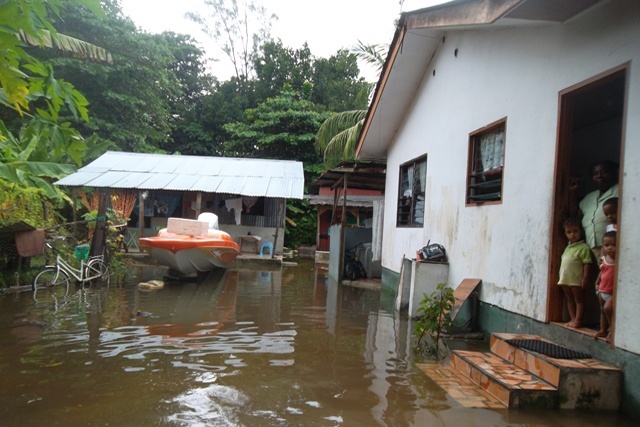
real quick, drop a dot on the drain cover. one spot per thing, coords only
(549, 349)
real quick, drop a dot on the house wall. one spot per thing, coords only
(515, 73)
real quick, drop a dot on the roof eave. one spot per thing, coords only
(374, 141)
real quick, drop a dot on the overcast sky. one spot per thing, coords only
(326, 25)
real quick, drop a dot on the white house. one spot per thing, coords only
(484, 112)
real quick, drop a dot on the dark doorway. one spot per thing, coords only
(591, 120)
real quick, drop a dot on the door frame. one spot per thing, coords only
(561, 196)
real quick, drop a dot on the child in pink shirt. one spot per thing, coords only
(604, 284)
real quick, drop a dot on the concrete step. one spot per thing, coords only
(513, 386)
(582, 383)
(459, 387)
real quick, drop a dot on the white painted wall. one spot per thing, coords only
(515, 73)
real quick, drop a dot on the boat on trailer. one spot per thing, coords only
(190, 247)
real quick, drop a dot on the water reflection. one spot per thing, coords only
(241, 348)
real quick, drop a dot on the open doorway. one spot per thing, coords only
(591, 120)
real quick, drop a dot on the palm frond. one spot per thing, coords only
(336, 124)
(66, 44)
(371, 54)
(343, 145)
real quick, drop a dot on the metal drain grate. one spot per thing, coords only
(549, 349)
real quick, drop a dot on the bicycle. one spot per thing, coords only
(353, 268)
(56, 277)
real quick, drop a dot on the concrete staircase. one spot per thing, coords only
(519, 378)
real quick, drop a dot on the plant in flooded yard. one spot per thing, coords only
(433, 319)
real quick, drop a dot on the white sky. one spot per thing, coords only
(326, 25)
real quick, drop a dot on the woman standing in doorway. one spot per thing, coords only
(594, 222)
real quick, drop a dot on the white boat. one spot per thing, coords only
(190, 247)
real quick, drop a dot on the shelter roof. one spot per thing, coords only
(361, 175)
(352, 201)
(246, 177)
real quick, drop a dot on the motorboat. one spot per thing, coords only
(189, 247)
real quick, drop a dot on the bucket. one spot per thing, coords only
(82, 252)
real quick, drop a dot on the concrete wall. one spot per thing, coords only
(515, 73)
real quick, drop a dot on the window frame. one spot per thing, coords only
(488, 191)
(402, 208)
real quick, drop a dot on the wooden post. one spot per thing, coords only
(198, 203)
(343, 231)
(99, 233)
(74, 210)
(275, 236)
(140, 213)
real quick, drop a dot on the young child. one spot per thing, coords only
(610, 210)
(574, 271)
(604, 284)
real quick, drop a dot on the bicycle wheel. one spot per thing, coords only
(360, 271)
(98, 270)
(350, 271)
(51, 280)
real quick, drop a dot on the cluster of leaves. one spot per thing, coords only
(24, 204)
(302, 226)
(131, 98)
(433, 319)
(36, 146)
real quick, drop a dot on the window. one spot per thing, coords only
(413, 178)
(486, 164)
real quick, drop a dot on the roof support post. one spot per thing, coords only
(198, 203)
(279, 213)
(343, 231)
(140, 213)
(99, 233)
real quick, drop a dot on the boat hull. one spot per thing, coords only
(190, 255)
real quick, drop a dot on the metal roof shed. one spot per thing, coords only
(245, 177)
(272, 179)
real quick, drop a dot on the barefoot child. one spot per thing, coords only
(574, 271)
(604, 284)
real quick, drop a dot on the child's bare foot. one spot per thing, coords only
(577, 325)
(600, 334)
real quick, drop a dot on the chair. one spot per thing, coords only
(264, 245)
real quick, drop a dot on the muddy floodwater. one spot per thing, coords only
(240, 348)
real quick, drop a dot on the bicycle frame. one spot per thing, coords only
(83, 274)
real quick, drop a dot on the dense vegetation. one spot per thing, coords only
(64, 107)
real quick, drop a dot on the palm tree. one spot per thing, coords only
(337, 137)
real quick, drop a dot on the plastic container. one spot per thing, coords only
(82, 252)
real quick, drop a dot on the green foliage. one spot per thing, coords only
(336, 84)
(22, 75)
(282, 127)
(130, 99)
(337, 137)
(277, 66)
(23, 204)
(433, 319)
(300, 213)
(43, 151)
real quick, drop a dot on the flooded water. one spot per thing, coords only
(241, 348)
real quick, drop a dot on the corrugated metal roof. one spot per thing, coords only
(245, 177)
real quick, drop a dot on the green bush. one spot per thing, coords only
(303, 233)
(24, 204)
(434, 318)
